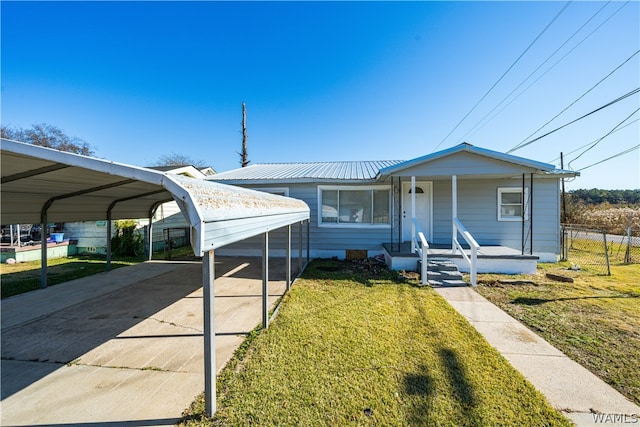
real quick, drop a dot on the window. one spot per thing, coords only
(354, 206)
(510, 204)
(280, 191)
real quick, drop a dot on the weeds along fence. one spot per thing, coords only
(597, 250)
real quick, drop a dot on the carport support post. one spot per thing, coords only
(265, 281)
(288, 257)
(109, 231)
(300, 248)
(208, 277)
(43, 250)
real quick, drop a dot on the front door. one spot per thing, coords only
(423, 208)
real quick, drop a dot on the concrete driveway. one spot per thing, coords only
(124, 347)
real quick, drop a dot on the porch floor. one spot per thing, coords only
(491, 259)
(444, 251)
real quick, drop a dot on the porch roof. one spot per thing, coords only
(486, 162)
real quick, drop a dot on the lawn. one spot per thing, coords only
(359, 345)
(595, 320)
(25, 276)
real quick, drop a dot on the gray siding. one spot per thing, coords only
(478, 211)
(322, 238)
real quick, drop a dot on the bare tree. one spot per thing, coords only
(175, 159)
(244, 155)
(48, 136)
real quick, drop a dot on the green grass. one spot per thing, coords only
(352, 347)
(595, 320)
(25, 276)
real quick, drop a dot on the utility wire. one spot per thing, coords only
(579, 98)
(534, 71)
(603, 137)
(505, 73)
(589, 143)
(622, 153)
(628, 94)
(556, 63)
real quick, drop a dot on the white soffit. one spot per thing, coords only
(81, 188)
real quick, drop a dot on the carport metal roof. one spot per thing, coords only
(66, 187)
(40, 185)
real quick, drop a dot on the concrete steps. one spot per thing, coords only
(442, 272)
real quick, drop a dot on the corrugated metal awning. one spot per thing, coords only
(70, 187)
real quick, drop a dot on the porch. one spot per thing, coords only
(490, 259)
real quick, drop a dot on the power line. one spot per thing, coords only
(505, 73)
(579, 98)
(589, 143)
(603, 137)
(628, 94)
(556, 63)
(622, 153)
(534, 71)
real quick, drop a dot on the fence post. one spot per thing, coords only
(627, 253)
(606, 252)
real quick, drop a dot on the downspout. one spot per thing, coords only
(454, 213)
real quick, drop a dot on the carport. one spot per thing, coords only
(41, 185)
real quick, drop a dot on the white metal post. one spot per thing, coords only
(208, 277)
(288, 257)
(454, 212)
(265, 281)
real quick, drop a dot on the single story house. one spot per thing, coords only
(505, 206)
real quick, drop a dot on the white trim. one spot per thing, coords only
(525, 204)
(322, 188)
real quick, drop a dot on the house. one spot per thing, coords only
(501, 209)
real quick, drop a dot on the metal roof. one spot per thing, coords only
(466, 147)
(306, 172)
(69, 187)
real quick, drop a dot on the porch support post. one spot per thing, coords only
(288, 256)
(208, 277)
(413, 214)
(454, 212)
(265, 281)
(149, 242)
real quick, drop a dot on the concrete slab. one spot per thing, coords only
(125, 353)
(583, 397)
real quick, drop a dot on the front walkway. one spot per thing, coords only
(584, 398)
(124, 347)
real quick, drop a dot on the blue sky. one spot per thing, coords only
(327, 80)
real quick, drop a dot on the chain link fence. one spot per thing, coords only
(597, 250)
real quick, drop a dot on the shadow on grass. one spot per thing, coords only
(460, 386)
(539, 301)
(421, 385)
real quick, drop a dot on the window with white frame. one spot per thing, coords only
(354, 206)
(511, 204)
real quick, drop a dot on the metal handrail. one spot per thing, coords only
(420, 246)
(473, 260)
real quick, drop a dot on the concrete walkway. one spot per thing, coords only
(124, 347)
(583, 398)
